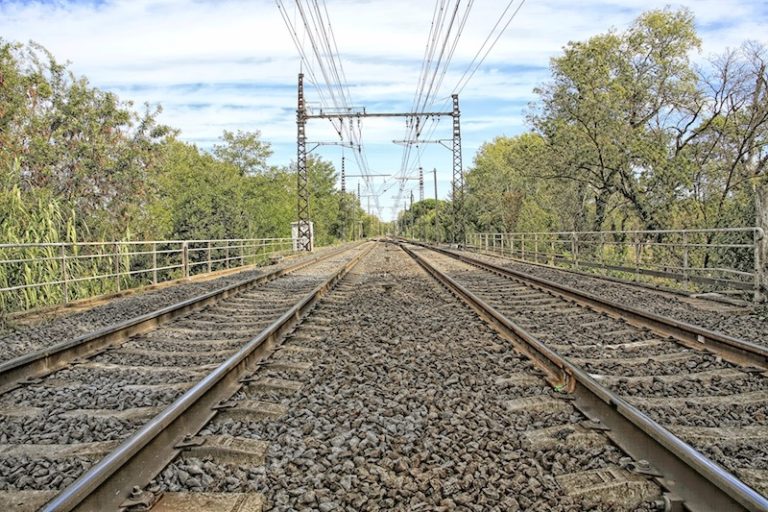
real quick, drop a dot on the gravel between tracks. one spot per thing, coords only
(403, 409)
(742, 323)
(63, 326)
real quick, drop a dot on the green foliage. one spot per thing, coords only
(77, 164)
(245, 150)
(627, 134)
(427, 220)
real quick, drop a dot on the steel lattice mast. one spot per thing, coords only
(304, 241)
(457, 185)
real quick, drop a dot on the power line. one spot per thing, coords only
(460, 86)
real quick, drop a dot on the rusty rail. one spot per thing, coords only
(42, 362)
(138, 459)
(687, 474)
(733, 349)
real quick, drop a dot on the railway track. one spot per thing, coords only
(358, 383)
(391, 395)
(77, 406)
(691, 401)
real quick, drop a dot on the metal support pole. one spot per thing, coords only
(437, 227)
(64, 274)
(576, 249)
(185, 258)
(413, 217)
(421, 184)
(210, 263)
(761, 272)
(302, 177)
(343, 176)
(685, 260)
(458, 175)
(117, 266)
(154, 262)
(552, 252)
(638, 248)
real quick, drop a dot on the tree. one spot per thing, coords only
(245, 150)
(84, 146)
(606, 114)
(198, 196)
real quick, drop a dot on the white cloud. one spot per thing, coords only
(231, 64)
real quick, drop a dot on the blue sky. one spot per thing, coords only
(230, 64)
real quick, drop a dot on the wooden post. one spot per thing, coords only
(552, 252)
(536, 247)
(522, 246)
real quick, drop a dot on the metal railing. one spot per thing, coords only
(44, 274)
(694, 259)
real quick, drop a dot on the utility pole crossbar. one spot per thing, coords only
(302, 116)
(354, 115)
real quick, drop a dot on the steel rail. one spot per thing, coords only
(45, 361)
(686, 473)
(733, 349)
(142, 456)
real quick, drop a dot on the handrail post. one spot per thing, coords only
(686, 281)
(601, 248)
(761, 273)
(637, 257)
(210, 264)
(522, 246)
(117, 266)
(154, 262)
(185, 258)
(226, 254)
(575, 248)
(536, 247)
(64, 274)
(552, 251)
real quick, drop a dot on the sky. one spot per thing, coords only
(217, 65)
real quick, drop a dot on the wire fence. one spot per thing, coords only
(45, 274)
(692, 259)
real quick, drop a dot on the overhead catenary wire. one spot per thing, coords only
(321, 59)
(498, 29)
(475, 64)
(325, 70)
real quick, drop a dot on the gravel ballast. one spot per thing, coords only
(745, 323)
(409, 404)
